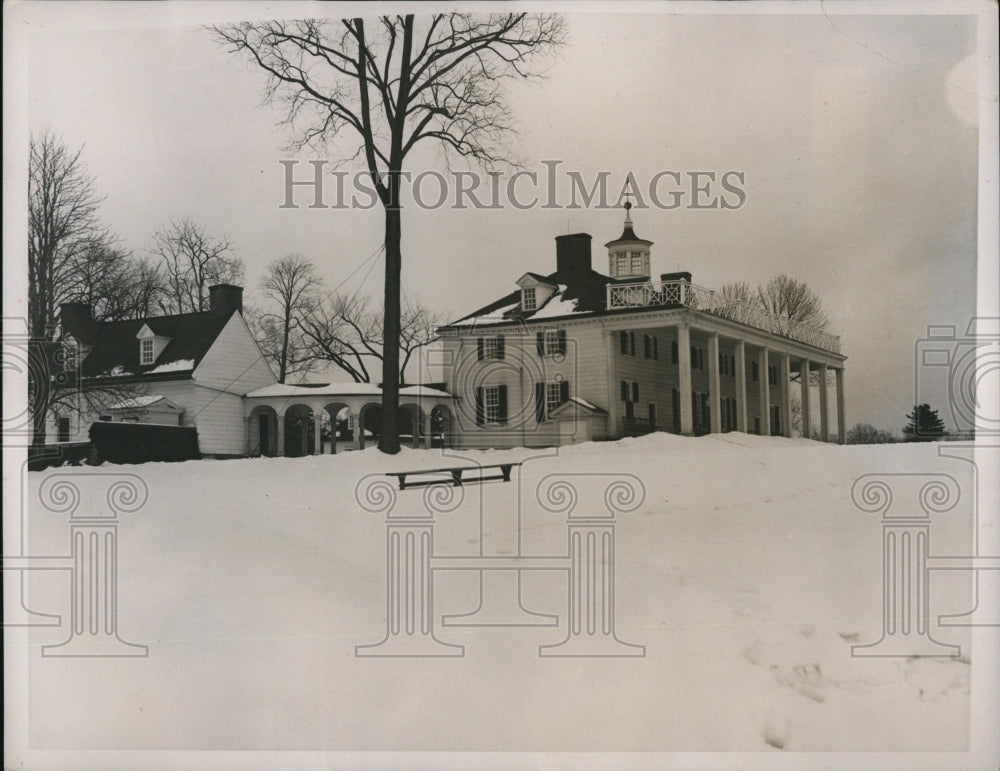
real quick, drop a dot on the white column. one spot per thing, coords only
(841, 417)
(427, 428)
(280, 450)
(824, 417)
(715, 400)
(785, 375)
(610, 340)
(356, 420)
(317, 432)
(806, 407)
(684, 378)
(765, 393)
(741, 387)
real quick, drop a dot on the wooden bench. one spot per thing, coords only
(456, 472)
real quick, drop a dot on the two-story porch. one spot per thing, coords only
(730, 365)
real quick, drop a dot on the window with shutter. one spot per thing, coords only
(552, 341)
(493, 400)
(491, 348)
(553, 396)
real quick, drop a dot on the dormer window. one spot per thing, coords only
(535, 291)
(151, 345)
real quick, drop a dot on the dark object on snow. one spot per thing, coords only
(142, 442)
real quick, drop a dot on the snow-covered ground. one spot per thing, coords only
(747, 573)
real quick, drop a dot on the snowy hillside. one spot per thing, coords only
(747, 573)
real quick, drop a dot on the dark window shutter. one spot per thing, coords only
(564, 391)
(635, 390)
(479, 346)
(503, 403)
(623, 341)
(540, 343)
(500, 351)
(624, 391)
(480, 406)
(539, 402)
(646, 347)
(562, 341)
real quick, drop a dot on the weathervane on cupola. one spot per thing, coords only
(628, 255)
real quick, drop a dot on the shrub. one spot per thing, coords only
(863, 433)
(142, 442)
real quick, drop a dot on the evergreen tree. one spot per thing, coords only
(923, 425)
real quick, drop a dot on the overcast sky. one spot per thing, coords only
(857, 137)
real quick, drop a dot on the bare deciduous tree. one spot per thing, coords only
(786, 298)
(291, 287)
(341, 331)
(192, 261)
(62, 222)
(392, 87)
(115, 283)
(346, 333)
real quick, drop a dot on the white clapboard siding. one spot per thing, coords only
(234, 362)
(218, 415)
(232, 367)
(178, 391)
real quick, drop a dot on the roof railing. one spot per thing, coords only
(648, 294)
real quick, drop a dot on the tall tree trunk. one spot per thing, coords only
(38, 393)
(389, 440)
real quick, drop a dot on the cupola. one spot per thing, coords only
(628, 255)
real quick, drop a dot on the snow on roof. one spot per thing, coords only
(172, 366)
(140, 402)
(116, 371)
(556, 306)
(585, 403)
(341, 389)
(493, 317)
(567, 406)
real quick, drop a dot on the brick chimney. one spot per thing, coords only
(75, 317)
(223, 299)
(573, 252)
